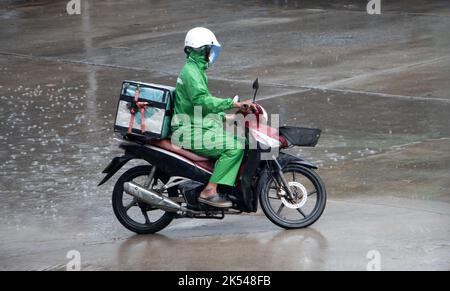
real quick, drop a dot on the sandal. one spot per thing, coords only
(216, 200)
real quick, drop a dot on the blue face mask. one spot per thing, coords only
(214, 53)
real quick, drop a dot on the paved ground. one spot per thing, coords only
(376, 84)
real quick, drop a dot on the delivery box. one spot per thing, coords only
(144, 110)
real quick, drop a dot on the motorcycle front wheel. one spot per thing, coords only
(136, 215)
(305, 209)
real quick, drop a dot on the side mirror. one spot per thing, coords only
(255, 84)
(255, 87)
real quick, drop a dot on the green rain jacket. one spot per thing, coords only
(192, 90)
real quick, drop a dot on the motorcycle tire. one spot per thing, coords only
(121, 213)
(320, 192)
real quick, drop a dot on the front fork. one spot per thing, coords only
(279, 178)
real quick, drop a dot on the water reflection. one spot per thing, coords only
(280, 250)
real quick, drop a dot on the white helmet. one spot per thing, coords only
(199, 37)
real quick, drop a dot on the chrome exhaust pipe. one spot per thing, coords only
(153, 198)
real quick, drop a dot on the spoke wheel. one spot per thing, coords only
(308, 203)
(134, 214)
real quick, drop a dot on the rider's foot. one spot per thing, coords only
(216, 200)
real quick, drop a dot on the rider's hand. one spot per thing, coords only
(245, 106)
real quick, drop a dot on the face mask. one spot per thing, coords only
(214, 53)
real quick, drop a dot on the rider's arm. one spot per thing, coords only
(198, 90)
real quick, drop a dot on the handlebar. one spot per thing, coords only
(245, 108)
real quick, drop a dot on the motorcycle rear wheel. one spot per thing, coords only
(139, 225)
(300, 217)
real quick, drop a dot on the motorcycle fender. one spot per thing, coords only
(114, 166)
(285, 159)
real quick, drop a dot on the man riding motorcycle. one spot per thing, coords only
(202, 50)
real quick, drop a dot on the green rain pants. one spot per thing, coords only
(229, 158)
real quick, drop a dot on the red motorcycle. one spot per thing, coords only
(147, 198)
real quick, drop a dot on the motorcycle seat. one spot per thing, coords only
(167, 145)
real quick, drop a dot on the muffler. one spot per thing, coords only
(152, 198)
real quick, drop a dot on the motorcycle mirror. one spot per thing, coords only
(255, 84)
(255, 87)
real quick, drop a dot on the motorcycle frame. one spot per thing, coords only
(253, 171)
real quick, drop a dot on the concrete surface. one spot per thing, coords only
(376, 84)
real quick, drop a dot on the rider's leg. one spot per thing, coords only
(227, 167)
(229, 151)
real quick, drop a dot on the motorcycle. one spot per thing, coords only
(146, 198)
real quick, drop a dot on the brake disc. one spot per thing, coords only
(300, 193)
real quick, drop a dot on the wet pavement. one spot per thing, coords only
(376, 84)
